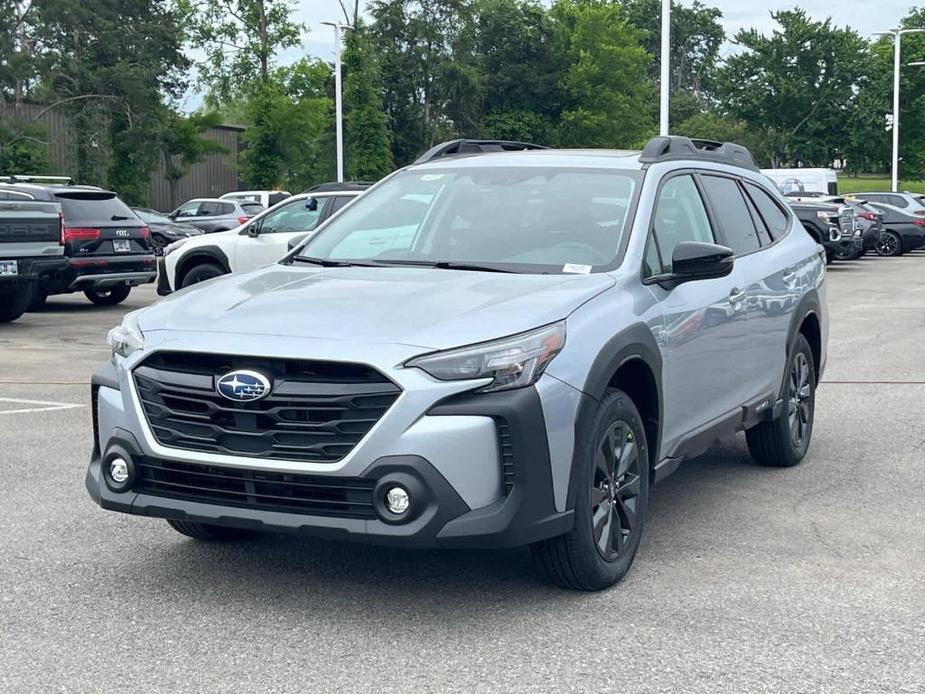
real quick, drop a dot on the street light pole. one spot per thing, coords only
(338, 104)
(665, 68)
(897, 35)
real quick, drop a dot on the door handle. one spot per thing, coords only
(736, 295)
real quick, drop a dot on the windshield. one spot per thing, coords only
(523, 219)
(153, 217)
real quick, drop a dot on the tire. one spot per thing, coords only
(889, 244)
(852, 254)
(783, 442)
(38, 298)
(14, 302)
(201, 273)
(577, 560)
(111, 296)
(158, 242)
(209, 533)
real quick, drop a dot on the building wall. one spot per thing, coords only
(216, 174)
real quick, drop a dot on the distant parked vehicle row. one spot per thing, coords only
(267, 198)
(214, 214)
(164, 230)
(255, 242)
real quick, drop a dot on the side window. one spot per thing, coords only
(208, 209)
(651, 264)
(739, 231)
(770, 211)
(295, 216)
(339, 202)
(187, 210)
(679, 216)
(14, 195)
(764, 235)
(897, 201)
(226, 208)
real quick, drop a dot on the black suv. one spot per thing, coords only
(108, 248)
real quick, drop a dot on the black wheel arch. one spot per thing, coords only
(632, 362)
(203, 254)
(806, 319)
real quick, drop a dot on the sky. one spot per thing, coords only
(866, 16)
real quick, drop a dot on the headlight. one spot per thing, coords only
(825, 216)
(126, 337)
(175, 246)
(512, 362)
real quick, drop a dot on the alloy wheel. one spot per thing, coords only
(800, 399)
(615, 490)
(887, 244)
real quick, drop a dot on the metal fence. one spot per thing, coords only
(216, 174)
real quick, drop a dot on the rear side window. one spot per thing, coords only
(771, 213)
(92, 206)
(226, 208)
(732, 213)
(897, 201)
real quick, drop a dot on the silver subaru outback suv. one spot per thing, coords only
(500, 345)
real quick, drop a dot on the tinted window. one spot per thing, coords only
(188, 209)
(532, 219)
(250, 208)
(679, 216)
(276, 198)
(764, 235)
(339, 202)
(774, 217)
(296, 216)
(226, 208)
(898, 200)
(732, 214)
(208, 209)
(93, 206)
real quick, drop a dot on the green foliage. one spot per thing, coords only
(23, 149)
(182, 145)
(713, 126)
(368, 151)
(797, 86)
(604, 90)
(240, 39)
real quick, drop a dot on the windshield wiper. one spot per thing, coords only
(448, 265)
(325, 262)
(118, 217)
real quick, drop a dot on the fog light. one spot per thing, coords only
(397, 500)
(118, 470)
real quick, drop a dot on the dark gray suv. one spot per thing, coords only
(486, 349)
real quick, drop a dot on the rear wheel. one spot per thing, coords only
(610, 507)
(110, 296)
(207, 532)
(201, 273)
(14, 301)
(889, 244)
(158, 243)
(783, 442)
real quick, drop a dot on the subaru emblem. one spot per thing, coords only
(243, 386)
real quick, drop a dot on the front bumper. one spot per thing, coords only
(448, 510)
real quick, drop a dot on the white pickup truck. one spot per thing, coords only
(30, 249)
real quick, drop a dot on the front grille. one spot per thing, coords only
(847, 221)
(507, 455)
(344, 497)
(316, 412)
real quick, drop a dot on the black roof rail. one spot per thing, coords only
(36, 178)
(456, 147)
(334, 187)
(675, 147)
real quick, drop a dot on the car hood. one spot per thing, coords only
(175, 228)
(423, 307)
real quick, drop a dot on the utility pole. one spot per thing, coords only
(664, 80)
(338, 98)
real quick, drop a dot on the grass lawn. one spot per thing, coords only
(874, 182)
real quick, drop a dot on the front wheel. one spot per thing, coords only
(849, 254)
(889, 244)
(610, 508)
(201, 273)
(109, 296)
(783, 442)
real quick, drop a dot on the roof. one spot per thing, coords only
(338, 187)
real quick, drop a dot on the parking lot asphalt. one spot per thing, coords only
(748, 579)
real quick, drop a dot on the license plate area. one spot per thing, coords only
(9, 267)
(122, 245)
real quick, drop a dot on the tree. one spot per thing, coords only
(368, 151)
(799, 86)
(182, 145)
(604, 89)
(240, 38)
(23, 149)
(713, 126)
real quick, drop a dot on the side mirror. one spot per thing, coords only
(694, 260)
(253, 229)
(311, 204)
(296, 241)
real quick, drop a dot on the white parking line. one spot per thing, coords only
(45, 406)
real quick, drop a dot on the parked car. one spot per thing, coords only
(263, 240)
(869, 220)
(475, 354)
(267, 198)
(902, 231)
(907, 202)
(214, 214)
(164, 230)
(797, 180)
(31, 249)
(834, 227)
(108, 248)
